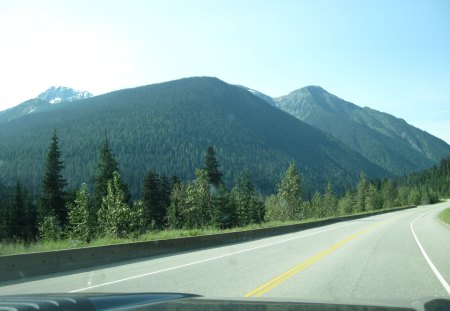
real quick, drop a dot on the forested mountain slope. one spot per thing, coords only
(27, 107)
(167, 127)
(382, 138)
(44, 101)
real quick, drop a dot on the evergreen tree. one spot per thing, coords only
(18, 214)
(176, 212)
(107, 165)
(212, 167)
(414, 196)
(150, 198)
(165, 191)
(318, 206)
(329, 201)
(389, 194)
(52, 200)
(248, 208)
(155, 199)
(346, 204)
(5, 215)
(225, 210)
(289, 192)
(198, 213)
(373, 201)
(361, 190)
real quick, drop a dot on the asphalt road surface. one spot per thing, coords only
(400, 256)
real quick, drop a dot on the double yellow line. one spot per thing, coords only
(293, 271)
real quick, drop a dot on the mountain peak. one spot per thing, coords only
(58, 94)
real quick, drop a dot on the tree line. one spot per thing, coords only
(107, 209)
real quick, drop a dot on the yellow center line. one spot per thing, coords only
(261, 290)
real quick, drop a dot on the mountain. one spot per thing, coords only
(27, 107)
(167, 127)
(383, 139)
(263, 96)
(55, 95)
(43, 102)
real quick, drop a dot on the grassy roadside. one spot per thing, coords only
(21, 248)
(445, 216)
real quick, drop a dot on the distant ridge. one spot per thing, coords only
(59, 94)
(167, 127)
(43, 102)
(382, 138)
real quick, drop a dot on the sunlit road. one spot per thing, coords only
(400, 256)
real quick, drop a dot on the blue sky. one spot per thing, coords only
(393, 56)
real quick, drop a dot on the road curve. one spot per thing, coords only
(399, 256)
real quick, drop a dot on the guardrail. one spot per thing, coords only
(17, 267)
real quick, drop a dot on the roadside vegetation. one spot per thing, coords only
(445, 216)
(21, 247)
(169, 207)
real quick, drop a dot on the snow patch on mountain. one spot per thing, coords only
(59, 94)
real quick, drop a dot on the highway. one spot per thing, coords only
(399, 256)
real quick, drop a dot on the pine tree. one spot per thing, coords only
(165, 191)
(248, 208)
(5, 215)
(329, 201)
(30, 217)
(176, 213)
(318, 205)
(212, 167)
(289, 192)
(346, 204)
(18, 214)
(152, 201)
(52, 199)
(373, 201)
(107, 165)
(389, 194)
(198, 213)
(225, 210)
(361, 190)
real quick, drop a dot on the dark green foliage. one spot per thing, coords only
(167, 126)
(383, 139)
(248, 207)
(290, 191)
(5, 214)
(199, 208)
(361, 193)
(165, 190)
(212, 167)
(155, 196)
(52, 199)
(430, 183)
(225, 209)
(329, 201)
(106, 166)
(176, 214)
(18, 215)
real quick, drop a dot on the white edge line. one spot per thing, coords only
(428, 260)
(208, 259)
